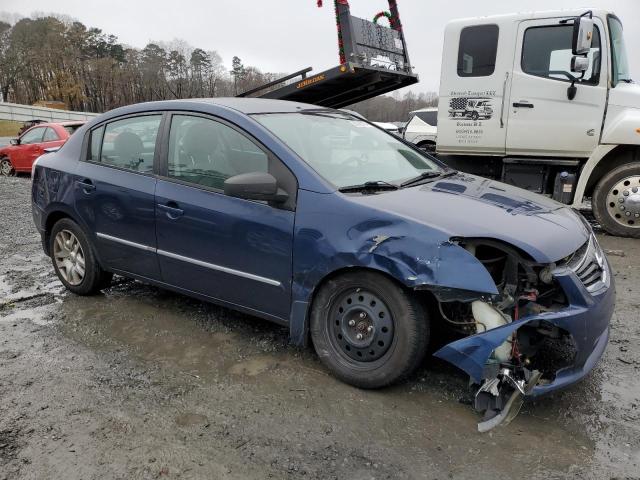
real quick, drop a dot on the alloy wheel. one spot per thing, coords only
(69, 257)
(6, 168)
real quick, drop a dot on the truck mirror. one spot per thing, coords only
(582, 35)
(580, 64)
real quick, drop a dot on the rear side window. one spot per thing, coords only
(71, 128)
(95, 144)
(478, 50)
(546, 52)
(50, 135)
(128, 143)
(32, 136)
(207, 152)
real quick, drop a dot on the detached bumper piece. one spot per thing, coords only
(582, 326)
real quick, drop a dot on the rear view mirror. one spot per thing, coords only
(582, 34)
(579, 64)
(255, 186)
(14, 141)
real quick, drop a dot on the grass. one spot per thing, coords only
(9, 128)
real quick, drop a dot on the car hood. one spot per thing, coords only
(625, 95)
(475, 207)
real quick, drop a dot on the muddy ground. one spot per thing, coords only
(143, 383)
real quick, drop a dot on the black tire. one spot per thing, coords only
(606, 204)
(474, 116)
(409, 326)
(95, 277)
(6, 167)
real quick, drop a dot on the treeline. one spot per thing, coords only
(394, 108)
(57, 58)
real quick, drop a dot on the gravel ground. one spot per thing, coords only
(143, 383)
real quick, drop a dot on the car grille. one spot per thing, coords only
(590, 266)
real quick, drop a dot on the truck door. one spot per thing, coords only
(542, 119)
(476, 63)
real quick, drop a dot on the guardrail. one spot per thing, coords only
(22, 113)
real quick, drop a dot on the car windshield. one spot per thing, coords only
(620, 61)
(345, 150)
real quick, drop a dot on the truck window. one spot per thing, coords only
(546, 52)
(477, 51)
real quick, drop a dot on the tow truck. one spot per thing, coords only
(373, 61)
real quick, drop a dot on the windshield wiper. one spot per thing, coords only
(372, 186)
(427, 176)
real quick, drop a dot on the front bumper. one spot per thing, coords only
(586, 318)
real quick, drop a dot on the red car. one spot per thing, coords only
(21, 153)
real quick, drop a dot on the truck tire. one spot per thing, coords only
(429, 147)
(367, 330)
(616, 201)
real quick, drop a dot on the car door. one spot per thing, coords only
(51, 138)
(542, 119)
(114, 193)
(234, 250)
(29, 149)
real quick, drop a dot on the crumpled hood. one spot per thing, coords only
(475, 207)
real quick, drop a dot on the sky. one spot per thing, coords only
(288, 35)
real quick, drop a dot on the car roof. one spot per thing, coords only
(247, 106)
(63, 124)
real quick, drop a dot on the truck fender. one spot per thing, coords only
(424, 138)
(622, 128)
(598, 154)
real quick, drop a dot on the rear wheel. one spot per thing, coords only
(428, 147)
(367, 330)
(6, 167)
(616, 201)
(74, 260)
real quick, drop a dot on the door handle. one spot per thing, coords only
(523, 105)
(86, 185)
(171, 209)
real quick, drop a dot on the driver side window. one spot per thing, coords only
(546, 52)
(207, 152)
(32, 136)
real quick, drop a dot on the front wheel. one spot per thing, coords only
(6, 168)
(74, 260)
(367, 330)
(616, 201)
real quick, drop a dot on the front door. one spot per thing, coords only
(114, 193)
(542, 119)
(29, 149)
(234, 250)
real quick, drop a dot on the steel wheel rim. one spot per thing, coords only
(623, 202)
(69, 257)
(5, 167)
(362, 326)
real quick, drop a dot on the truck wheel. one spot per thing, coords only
(616, 201)
(367, 330)
(74, 260)
(6, 167)
(474, 116)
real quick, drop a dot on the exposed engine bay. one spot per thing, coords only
(530, 354)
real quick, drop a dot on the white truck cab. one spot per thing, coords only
(545, 101)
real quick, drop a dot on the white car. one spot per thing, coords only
(389, 127)
(422, 128)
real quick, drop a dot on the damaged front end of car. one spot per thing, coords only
(545, 328)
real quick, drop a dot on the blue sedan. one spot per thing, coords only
(318, 220)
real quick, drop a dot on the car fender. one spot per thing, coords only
(415, 255)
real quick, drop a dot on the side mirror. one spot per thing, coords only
(580, 64)
(14, 141)
(582, 35)
(255, 186)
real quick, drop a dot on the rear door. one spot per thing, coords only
(234, 250)
(51, 138)
(114, 193)
(542, 119)
(476, 63)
